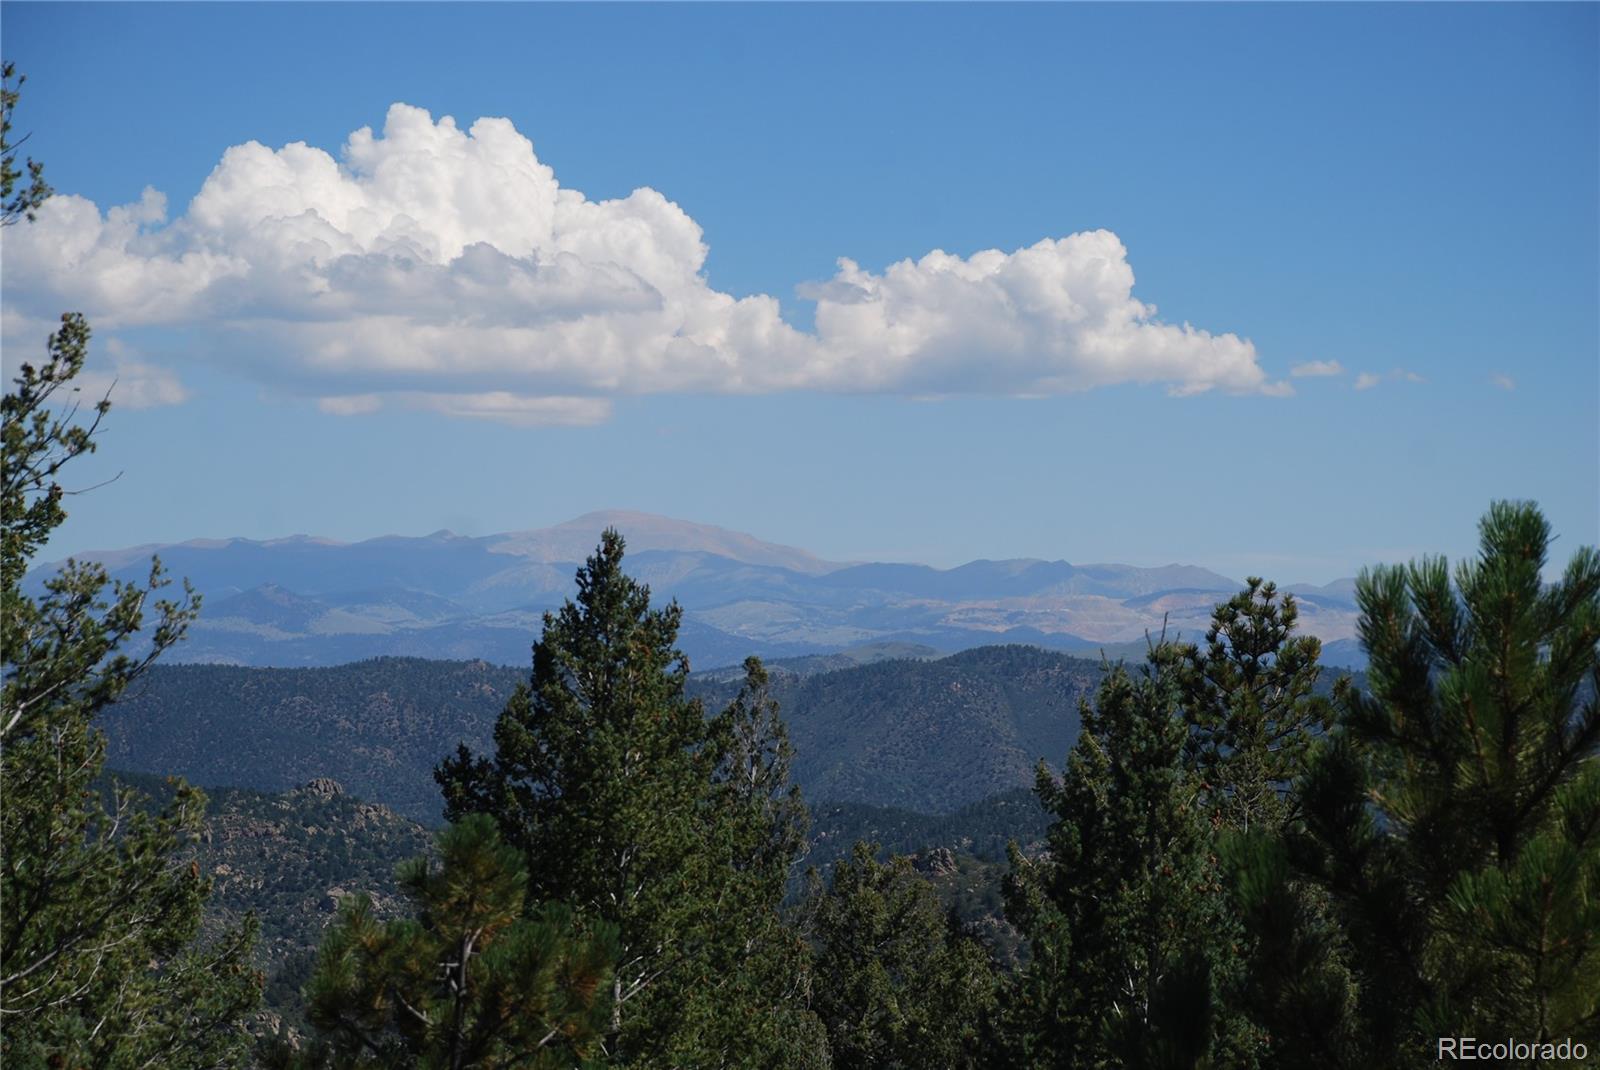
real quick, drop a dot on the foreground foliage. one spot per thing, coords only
(1135, 952)
(897, 984)
(1240, 873)
(99, 911)
(98, 959)
(474, 979)
(1454, 818)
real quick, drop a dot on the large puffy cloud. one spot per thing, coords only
(445, 269)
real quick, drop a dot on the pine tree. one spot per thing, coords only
(897, 985)
(1455, 816)
(1248, 699)
(16, 205)
(760, 817)
(99, 910)
(1298, 987)
(746, 997)
(1134, 951)
(637, 810)
(473, 980)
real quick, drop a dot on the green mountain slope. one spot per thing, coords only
(981, 829)
(933, 736)
(377, 727)
(930, 735)
(290, 858)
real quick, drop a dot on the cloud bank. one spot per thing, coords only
(444, 269)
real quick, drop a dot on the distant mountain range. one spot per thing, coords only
(305, 601)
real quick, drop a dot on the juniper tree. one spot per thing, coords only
(1134, 951)
(1455, 815)
(477, 978)
(99, 908)
(897, 985)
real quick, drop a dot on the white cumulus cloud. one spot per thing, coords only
(446, 269)
(1315, 368)
(1368, 380)
(1504, 382)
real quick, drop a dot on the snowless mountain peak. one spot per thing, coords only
(575, 540)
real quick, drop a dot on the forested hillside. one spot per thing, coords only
(981, 829)
(922, 734)
(929, 735)
(934, 735)
(378, 727)
(291, 859)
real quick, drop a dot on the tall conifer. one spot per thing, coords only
(1455, 817)
(1134, 947)
(749, 991)
(1248, 696)
(637, 810)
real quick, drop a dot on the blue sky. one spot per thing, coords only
(1408, 192)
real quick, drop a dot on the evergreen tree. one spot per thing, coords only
(1455, 816)
(1134, 951)
(746, 996)
(897, 985)
(99, 910)
(474, 980)
(16, 204)
(758, 814)
(637, 810)
(1247, 698)
(1298, 987)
